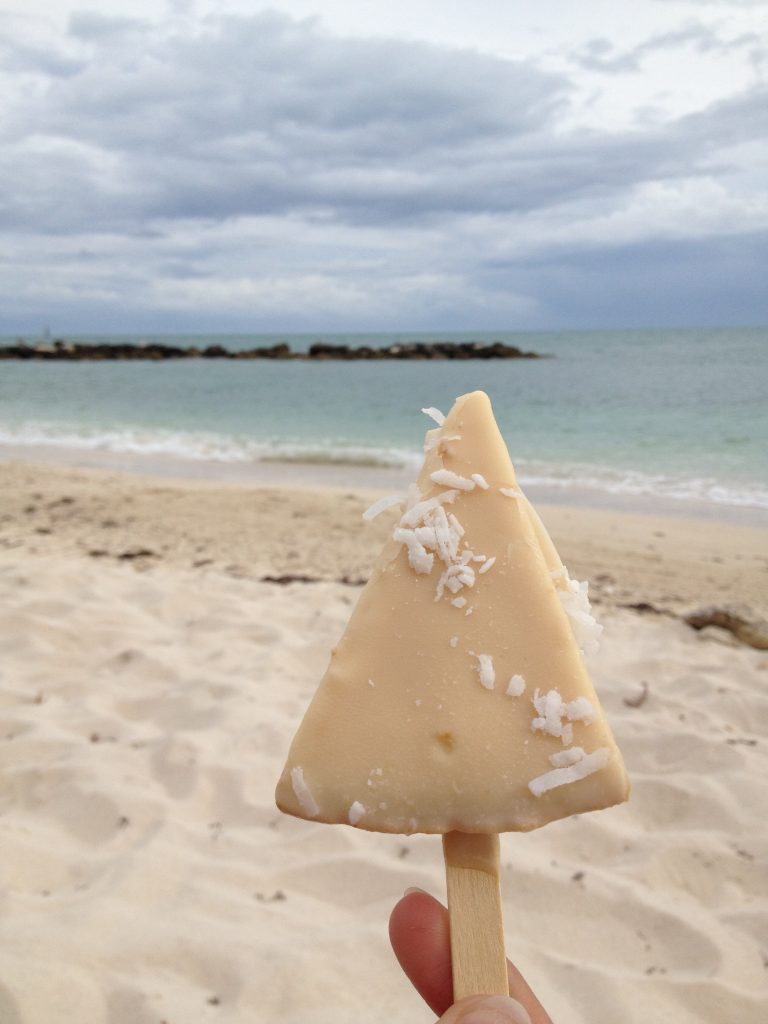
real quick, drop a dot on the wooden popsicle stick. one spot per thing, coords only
(478, 960)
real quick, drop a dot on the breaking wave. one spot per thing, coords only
(207, 446)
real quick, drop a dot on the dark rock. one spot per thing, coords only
(646, 608)
(321, 351)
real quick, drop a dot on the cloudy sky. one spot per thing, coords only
(358, 165)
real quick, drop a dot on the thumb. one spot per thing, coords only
(486, 1010)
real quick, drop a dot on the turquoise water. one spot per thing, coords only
(679, 415)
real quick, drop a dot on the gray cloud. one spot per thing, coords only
(261, 166)
(603, 56)
(263, 114)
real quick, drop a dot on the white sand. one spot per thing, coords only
(147, 876)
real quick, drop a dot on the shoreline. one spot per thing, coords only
(310, 532)
(369, 479)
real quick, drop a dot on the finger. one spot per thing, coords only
(419, 933)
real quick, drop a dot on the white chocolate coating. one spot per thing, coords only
(432, 747)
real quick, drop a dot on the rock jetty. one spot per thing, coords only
(318, 352)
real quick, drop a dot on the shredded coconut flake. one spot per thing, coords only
(427, 536)
(510, 492)
(447, 540)
(487, 564)
(418, 558)
(485, 668)
(458, 602)
(574, 597)
(303, 793)
(580, 710)
(436, 439)
(566, 757)
(454, 639)
(467, 576)
(417, 513)
(455, 524)
(480, 481)
(429, 532)
(456, 576)
(435, 415)
(447, 478)
(356, 811)
(515, 686)
(383, 503)
(552, 710)
(586, 765)
(549, 708)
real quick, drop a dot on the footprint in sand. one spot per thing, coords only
(90, 817)
(9, 1008)
(171, 711)
(174, 765)
(650, 934)
(661, 804)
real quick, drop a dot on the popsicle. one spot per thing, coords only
(457, 702)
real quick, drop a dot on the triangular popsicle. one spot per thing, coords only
(457, 698)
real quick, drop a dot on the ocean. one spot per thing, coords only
(666, 420)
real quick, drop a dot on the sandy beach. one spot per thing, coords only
(160, 641)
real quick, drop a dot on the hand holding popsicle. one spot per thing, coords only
(419, 932)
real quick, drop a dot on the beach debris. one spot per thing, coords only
(645, 608)
(752, 632)
(283, 581)
(278, 896)
(640, 699)
(131, 553)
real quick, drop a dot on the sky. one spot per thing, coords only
(199, 166)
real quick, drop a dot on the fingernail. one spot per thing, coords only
(415, 888)
(493, 1010)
